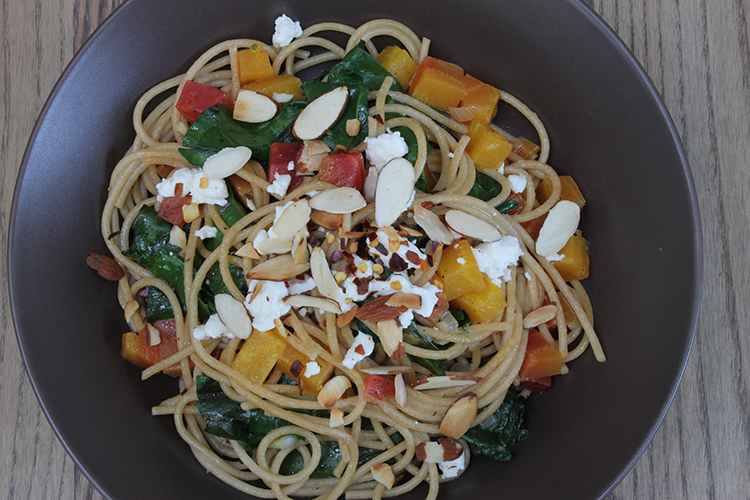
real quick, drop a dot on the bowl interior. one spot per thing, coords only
(608, 128)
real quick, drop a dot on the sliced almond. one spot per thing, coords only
(387, 370)
(254, 107)
(410, 300)
(352, 127)
(247, 251)
(400, 392)
(444, 382)
(471, 227)
(391, 336)
(383, 473)
(337, 418)
(280, 328)
(226, 162)
(432, 225)
(430, 452)
(459, 416)
(377, 310)
(299, 249)
(270, 246)
(292, 220)
(347, 318)
(321, 114)
(327, 219)
(311, 156)
(191, 212)
(539, 316)
(312, 301)
(234, 315)
(394, 191)
(451, 449)
(131, 307)
(279, 268)
(105, 266)
(559, 226)
(177, 237)
(321, 273)
(341, 200)
(333, 390)
(154, 336)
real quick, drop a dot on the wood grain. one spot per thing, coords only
(697, 53)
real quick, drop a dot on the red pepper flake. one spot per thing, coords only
(115, 234)
(342, 243)
(362, 284)
(380, 248)
(379, 119)
(429, 260)
(142, 293)
(336, 256)
(427, 204)
(371, 236)
(397, 264)
(412, 257)
(296, 368)
(313, 241)
(360, 349)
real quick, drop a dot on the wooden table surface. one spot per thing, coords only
(697, 52)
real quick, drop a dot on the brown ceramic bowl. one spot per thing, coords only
(608, 128)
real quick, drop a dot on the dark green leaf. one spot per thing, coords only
(507, 206)
(358, 67)
(157, 306)
(485, 187)
(464, 321)
(498, 435)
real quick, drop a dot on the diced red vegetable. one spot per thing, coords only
(344, 170)
(136, 348)
(171, 209)
(536, 385)
(279, 157)
(542, 359)
(197, 97)
(378, 388)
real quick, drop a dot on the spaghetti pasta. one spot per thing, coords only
(354, 326)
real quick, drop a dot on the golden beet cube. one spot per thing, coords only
(254, 64)
(487, 148)
(258, 355)
(459, 270)
(399, 63)
(309, 385)
(279, 84)
(485, 306)
(575, 262)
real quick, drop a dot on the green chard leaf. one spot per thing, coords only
(499, 434)
(358, 67)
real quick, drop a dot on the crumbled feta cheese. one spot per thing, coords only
(494, 259)
(384, 148)
(461, 261)
(213, 329)
(451, 468)
(297, 287)
(286, 31)
(363, 346)
(281, 97)
(449, 155)
(311, 369)
(280, 185)
(207, 232)
(517, 183)
(268, 305)
(213, 192)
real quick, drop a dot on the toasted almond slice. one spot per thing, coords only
(177, 237)
(432, 225)
(271, 246)
(254, 107)
(394, 191)
(387, 370)
(391, 336)
(247, 251)
(311, 156)
(559, 226)
(191, 212)
(400, 393)
(409, 231)
(347, 318)
(333, 390)
(321, 273)
(279, 268)
(540, 315)
(312, 301)
(459, 416)
(341, 200)
(410, 300)
(471, 227)
(226, 162)
(154, 336)
(327, 219)
(352, 127)
(451, 449)
(337, 418)
(280, 328)
(292, 220)
(234, 315)
(320, 114)
(130, 308)
(383, 473)
(430, 452)
(444, 382)
(299, 249)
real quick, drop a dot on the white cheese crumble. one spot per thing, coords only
(213, 329)
(268, 305)
(363, 343)
(461, 261)
(298, 287)
(517, 183)
(286, 31)
(311, 369)
(384, 148)
(451, 468)
(214, 193)
(207, 232)
(280, 185)
(495, 259)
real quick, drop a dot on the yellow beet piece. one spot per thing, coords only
(279, 84)
(484, 306)
(459, 271)
(254, 64)
(437, 83)
(399, 63)
(568, 190)
(258, 355)
(481, 98)
(575, 263)
(487, 148)
(309, 385)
